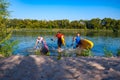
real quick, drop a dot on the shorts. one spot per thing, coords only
(79, 44)
(59, 42)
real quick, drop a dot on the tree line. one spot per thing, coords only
(96, 23)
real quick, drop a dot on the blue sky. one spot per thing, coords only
(64, 9)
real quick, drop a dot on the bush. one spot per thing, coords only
(37, 52)
(85, 52)
(108, 53)
(118, 52)
(7, 47)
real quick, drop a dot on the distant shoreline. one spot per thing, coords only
(55, 30)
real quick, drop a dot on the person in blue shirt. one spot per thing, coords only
(77, 40)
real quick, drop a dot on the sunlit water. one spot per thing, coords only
(109, 41)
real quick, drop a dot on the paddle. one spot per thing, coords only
(52, 39)
(72, 42)
(72, 45)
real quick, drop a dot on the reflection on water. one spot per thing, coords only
(101, 40)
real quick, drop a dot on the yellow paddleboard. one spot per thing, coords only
(86, 44)
(63, 40)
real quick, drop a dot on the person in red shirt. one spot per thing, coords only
(59, 41)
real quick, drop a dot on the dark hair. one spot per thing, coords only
(58, 32)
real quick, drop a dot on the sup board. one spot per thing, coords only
(63, 40)
(86, 44)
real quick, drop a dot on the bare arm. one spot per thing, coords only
(74, 39)
(36, 43)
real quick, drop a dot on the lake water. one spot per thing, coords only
(101, 40)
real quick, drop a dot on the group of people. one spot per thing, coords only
(41, 43)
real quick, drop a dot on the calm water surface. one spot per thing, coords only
(101, 40)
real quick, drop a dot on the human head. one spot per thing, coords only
(58, 32)
(39, 37)
(78, 34)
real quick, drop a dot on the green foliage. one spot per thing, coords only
(7, 47)
(37, 52)
(86, 52)
(2, 28)
(6, 38)
(108, 53)
(4, 4)
(4, 13)
(48, 54)
(59, 56)
(66, 54)
(118, 52)
(96, 23)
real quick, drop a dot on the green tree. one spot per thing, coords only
(4, 13)
(75, 24)
(4, 4)
(6, 47)
(118, 25)
(106, 22)
(82, 24)
(95, 23)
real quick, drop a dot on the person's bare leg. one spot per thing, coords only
(59, 49)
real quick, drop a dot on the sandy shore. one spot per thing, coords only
(35, 67)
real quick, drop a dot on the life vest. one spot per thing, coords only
(59, 35)
(40, 40)
(77, 39)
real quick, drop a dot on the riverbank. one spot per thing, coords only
(35, 67)
(63, 30)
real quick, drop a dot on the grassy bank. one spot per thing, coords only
(64, 30)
